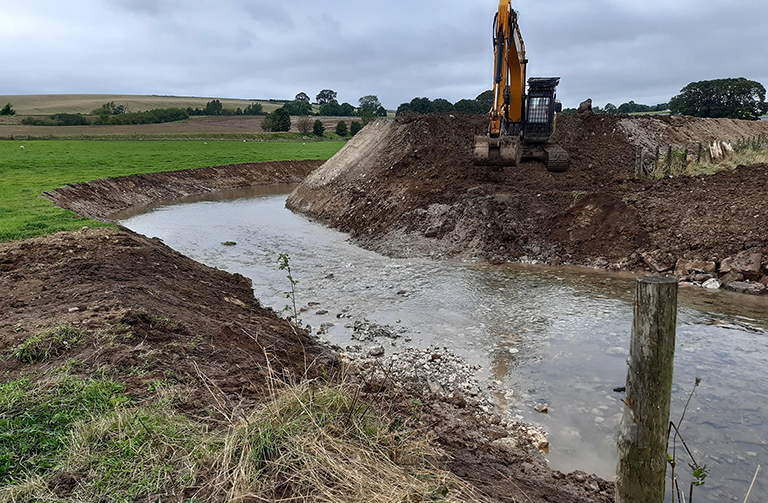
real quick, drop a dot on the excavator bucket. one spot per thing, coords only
(501, 151)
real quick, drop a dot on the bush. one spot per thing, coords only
(254, 109)
(8, 110)
(318, 129)
(341, 129)
(355, 128)
(154, 116)
(57, 120)
(279, 120)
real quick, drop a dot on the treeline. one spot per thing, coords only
(215, 107)
(154, 116)
(480, 105)
(624, 108)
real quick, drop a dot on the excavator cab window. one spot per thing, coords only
(538, 110)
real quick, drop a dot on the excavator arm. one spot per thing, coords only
(509, 71)
(520, 124)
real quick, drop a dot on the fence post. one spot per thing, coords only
(645, 425)
(669, 158)
(639, 162)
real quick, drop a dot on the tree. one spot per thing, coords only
(732, 98)
(355, 128)
(610, 108)
(318, 129)
(302, 97)
(441, 105)
(346, 110)
(254, 109)
(330, 109)
(279, 120)
(8, 110)
(298, 107)
(304, 124)
(325, 96)
(470, 107)
(368, 105)
(214, 107)
(486, 98)
(341, 129)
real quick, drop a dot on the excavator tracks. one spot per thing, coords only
(555, 158)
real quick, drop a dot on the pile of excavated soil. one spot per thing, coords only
(409, 188)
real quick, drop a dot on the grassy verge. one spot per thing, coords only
(74, 438)
(46, 165)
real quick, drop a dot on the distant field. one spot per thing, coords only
(46, 165)
(47, 104)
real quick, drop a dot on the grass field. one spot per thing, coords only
(47, 165)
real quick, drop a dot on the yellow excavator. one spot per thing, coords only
(521, 123)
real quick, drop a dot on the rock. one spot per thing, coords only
(507, 443)
(764, 280)
(658, 260)
(746, 262)
(731, 277)
(712, 284)
(376, 351)
(685, 267)
(321, 311)
(541, 407)
(585, 107)
(753, 288)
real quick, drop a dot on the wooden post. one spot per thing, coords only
(639, 162)
(643, 435)
(669, 158)
(698, 154)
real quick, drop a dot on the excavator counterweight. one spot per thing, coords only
(521, 123)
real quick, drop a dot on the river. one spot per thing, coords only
(558, 336)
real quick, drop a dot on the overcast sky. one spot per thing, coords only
(608, 50)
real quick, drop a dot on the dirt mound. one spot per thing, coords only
(100, 199)
(417, 193)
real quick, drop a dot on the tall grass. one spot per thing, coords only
(307, 442)
(46, 165)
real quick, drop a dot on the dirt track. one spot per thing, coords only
(414, 191)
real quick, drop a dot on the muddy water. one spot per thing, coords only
(541, 335)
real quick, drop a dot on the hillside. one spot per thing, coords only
(47, 104)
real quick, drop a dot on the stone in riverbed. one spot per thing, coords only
(754, 288)
(712, 284)
(685, 267)
(746, 262)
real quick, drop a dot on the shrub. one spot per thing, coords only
(341, 129)
(354, 128)
(318, 129)
(8, 110)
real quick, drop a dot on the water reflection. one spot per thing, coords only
(553, 335)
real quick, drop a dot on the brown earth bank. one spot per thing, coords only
(143, 305)
(408, 188)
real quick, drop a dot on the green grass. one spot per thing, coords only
(47, 344)
(36, 419)
(47, 165)
(307, 442)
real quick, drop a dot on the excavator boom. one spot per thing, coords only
(520, 124)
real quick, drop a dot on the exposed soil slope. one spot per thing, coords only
(408, 188)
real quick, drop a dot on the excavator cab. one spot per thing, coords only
(539, 121)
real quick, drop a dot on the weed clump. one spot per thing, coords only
(48, 344)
